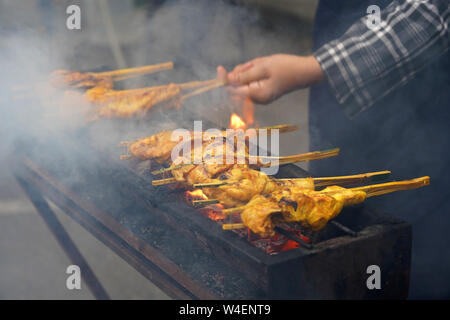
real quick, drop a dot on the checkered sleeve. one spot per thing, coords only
(370, 61)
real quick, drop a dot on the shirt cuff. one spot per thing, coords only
(340, 79)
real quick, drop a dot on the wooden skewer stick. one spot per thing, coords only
(163, 170)
(282, 128)
(352, 179)
(197, 84)
(209, 185)
(202, 203)
(371, 191)
(163, 181)
(316, 155)
(202, 90)
(384, 188)
(346, 180)
(123, 74)
(183, 86)
(233, 226)
(233, 210)
(281, 160)
(322, 182)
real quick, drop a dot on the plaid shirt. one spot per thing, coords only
(366, 64)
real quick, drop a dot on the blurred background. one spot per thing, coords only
(197, 36)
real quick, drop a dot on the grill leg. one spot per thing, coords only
(63, 239)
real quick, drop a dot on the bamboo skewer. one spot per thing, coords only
(352, 179)
(161, 171)
(316, 155)
(210, 185)
(232, 210)
(202, 203)
(233, 226)
(122, 74)
(214, 85)
(197, 84)
(347, 180)
(183, 86)
(119, 74)
(384, 188)
(283, 128)
(163, 181)
(371, 191)
(281, 160)
(326, 181)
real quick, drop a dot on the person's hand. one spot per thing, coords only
(267, 78)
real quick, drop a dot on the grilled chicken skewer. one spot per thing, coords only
(101, 95)
(190, 173)
(73, 79)
(116, 104)
(313, 209)
(159, 146)
(240, 186)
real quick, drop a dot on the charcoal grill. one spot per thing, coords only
(188, 255)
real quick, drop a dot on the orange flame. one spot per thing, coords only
(196, 194)
(236, 122)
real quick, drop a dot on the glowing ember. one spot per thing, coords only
(289, 244)
(272, 245)
(212, 214)
(236, 122)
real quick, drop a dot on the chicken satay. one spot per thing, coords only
(313, 209)
(243, 183)
(236, 194)
(240, 183)
(73, 79)
(204, 165)
(137, 104)
(160, 145)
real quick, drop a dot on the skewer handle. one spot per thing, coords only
(203, 90)
(283, 128)
(202, 203)
(230, 211)
(196, 84)
(178, 166)
(233, 226)
(163, 181)
(384, 188)
(123, 74)
(209, 185)
(352, 179)
(316, 155)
